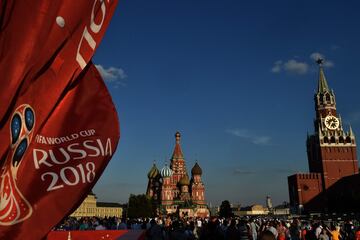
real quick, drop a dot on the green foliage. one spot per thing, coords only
(225, 210)
(140, 206)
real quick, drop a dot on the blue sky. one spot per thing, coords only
(236, 78)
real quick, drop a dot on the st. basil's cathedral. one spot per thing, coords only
(173, 191)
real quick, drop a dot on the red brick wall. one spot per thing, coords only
(338, 162)
(303, 187)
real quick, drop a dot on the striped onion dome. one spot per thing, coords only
(184, 180)
(166, 171)
(154, 172)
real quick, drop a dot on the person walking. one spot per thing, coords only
(335, 233)
(323, 235)
(232, 233)
(253, 229)
(155, 232)
(244, 230)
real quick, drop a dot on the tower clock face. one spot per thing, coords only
(331, 122)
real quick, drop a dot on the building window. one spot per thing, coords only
(328, 99)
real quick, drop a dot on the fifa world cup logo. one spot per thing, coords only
(14, 208)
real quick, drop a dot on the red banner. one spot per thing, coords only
(58, 125)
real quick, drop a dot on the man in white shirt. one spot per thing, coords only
(318, 231)
(273, 230)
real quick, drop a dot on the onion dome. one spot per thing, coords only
(196, 170)
(184, 180)
(166, 171)
(154, 172)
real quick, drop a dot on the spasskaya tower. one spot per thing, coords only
(331, 150)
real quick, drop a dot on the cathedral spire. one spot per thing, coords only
(177, 150)
(323, 85)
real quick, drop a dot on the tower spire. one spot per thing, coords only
(351, 131)
(177, 150)
(323, 85)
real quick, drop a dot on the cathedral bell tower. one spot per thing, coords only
(153, 183)
(177, 162)
(166, 191)
(197, 186)
(331, 150)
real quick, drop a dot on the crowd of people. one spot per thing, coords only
(222, 229)
(90, 223)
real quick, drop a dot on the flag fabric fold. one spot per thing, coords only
(58, 125)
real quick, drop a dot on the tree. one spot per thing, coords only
(225, 209)
(140, 206)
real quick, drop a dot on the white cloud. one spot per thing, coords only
(247, 135)
(328, 64)
(292, 66)
(296, 67)
(113, 75)
(277, 67)
(316, 55)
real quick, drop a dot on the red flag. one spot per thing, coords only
(58, 125)
(43, 50)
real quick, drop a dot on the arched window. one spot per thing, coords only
(341, 140)
(328, 98)
(332, 140)
(348, 139)
(326, 140)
